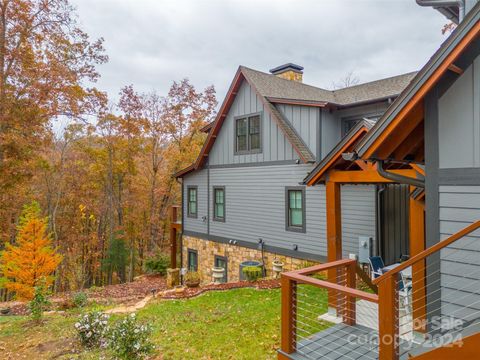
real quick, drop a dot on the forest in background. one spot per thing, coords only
(104, 182)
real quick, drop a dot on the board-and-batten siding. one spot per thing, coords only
(275, 146)
(305, 120)
(460, 262)
(199, 179)
(255, 207)
(358, 216)
(459, 121)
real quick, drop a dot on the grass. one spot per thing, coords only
(235, 324)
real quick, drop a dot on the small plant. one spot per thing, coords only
(92, 329)
(157, 265)
(130, 340)
(39, 303)
(80, 299)
(253, 273)
(192, 279)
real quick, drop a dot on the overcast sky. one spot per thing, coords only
(154, 42)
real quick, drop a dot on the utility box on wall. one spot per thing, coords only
(365, 248)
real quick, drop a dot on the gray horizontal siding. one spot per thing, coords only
(198, 178)
(460, 262)
(255, 207)
(358, 215)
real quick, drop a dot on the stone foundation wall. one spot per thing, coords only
(235, 256)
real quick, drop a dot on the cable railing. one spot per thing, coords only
(306, 296)
(438, 305)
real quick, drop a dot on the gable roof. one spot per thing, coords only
(335, 155)
(275, 89)
(285, 126)
(272, 89)
(429, 75)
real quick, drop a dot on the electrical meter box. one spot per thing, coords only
(365, 248)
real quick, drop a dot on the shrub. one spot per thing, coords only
(130, 339)
(80, 299)
(157, 264)
(191, 278)
(253, 273)
(92, 329)
(39, 303)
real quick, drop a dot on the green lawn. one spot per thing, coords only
(235, 324)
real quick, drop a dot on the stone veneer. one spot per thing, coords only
(235, 256)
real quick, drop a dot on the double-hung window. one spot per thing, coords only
(219, 203)
(295, 209)
(192, 201)
(192, 260)
(248, 134)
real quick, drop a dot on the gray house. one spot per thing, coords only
(434, 127)
(243, 198)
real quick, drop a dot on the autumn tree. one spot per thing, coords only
(32, 260)
(46, 65)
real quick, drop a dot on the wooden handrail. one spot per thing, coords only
(321, 267)
(366, 279)
(331, 286)
(432, 249)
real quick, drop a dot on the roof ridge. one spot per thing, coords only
(285, 80)
(374, 81)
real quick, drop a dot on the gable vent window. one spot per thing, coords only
(295, 209)
(248, 134)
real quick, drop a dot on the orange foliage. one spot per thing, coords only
(31, 261)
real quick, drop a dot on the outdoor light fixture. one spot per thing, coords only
(295, 247)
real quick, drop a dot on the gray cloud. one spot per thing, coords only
(154, 42)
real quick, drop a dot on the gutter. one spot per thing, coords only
(398, 178)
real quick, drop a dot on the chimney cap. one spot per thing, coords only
(287, 67)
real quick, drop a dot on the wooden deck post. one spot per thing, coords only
(417, 245)
(388, 331)
(349, 312)
(173, 237)
(334, 235)
(289, 306)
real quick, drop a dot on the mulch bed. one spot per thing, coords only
(131, 293)
(192, 292)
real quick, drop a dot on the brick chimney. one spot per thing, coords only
(289, 71)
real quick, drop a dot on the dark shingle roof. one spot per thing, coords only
(271, 86)
(378, 89)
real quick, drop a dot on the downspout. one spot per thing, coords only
(397, 177)
(442, 3)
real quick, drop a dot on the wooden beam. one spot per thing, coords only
(339, 153)
(455, 69)
(410, 144)
(417, 245)
(417, 169)
(288, 324)
(369, 176)
(415, 117)
(424, 89)
(334, 235)
(362, 164)
(388, 319)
